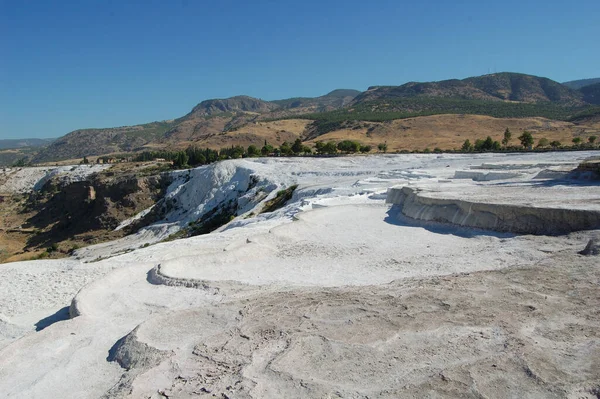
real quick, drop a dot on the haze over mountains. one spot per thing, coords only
(578, 84)
(20, 143)
(246, 120)
(495, 87)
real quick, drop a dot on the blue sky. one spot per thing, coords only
(66, 65)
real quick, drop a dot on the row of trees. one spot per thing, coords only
(401, 108)
(526, 140)
(194, 156)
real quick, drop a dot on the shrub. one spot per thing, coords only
(543, 142)
(526, 139)
(348, 146)
(555, 144)
(280, 199)
(467, 146)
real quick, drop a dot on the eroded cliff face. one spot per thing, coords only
(502, 217)
(88, 211)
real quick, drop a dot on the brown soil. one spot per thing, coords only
(58, 219)
(450, 131)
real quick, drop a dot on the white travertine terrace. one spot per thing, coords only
(337, 294)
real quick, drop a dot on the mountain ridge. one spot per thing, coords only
(578, 84)
(221, 122)
(504, 86)
(26, 142)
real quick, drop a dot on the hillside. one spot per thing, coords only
(20, 150)
(494, 87)
(450, 131)
(20, 143)
(89, 142)
(591, 93)
(332, 100)
(244, 120)
(213, 123)
(578, 84)
(230, 105)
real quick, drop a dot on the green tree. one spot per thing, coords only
(486, 145)
(267, 149)
(543, 142)
(467, 146)
(365, 148)
(526, 139)
(592, 139)
(181, 160)
(297, 146)
(507, 137)
(577, 140)
(253, 151)
(286, 148)
(330, 148)
(348, 146)
(382, 147)
(320, 147)
(555, 144)
(20, 163)
(478, 146)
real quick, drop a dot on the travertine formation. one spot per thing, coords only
(503, 217)
(336, 294)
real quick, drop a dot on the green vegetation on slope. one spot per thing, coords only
(86, 142)
(578, 84)
(585, 114)
(591, 93)
(401, 108)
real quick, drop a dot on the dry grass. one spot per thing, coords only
(13, 240)
(274, 132)
(450, 131)
(443, 131)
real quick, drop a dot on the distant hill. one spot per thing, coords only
(206, 120)
(591, 93)
(335, 99)
(578, 84)
(231, 105)
(589, 116)
(496, 87)
(88, 142)
(20, 143)
(244, 120)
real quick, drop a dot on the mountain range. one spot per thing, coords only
(578, 84)
(21, 143)
(246, 120)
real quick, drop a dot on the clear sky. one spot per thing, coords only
(66, 65)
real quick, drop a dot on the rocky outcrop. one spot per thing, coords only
(98, 203)
(130, 353)
(520, 219)
(232, 104)
(592, 247)
(483, 176)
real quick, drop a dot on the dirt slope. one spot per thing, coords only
(450, 131)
